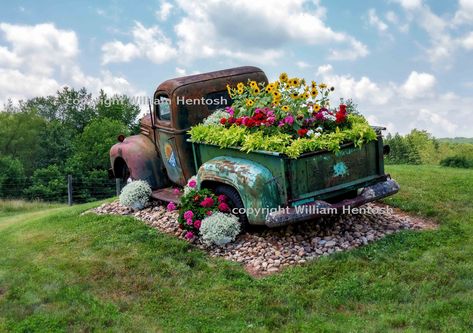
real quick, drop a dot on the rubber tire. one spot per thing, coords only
(125, 174)
(234, 201)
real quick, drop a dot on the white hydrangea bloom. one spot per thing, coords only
(219, 228)
(135, 195)
(214, 118)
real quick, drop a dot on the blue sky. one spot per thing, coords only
(407, 63)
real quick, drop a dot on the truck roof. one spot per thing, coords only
(173, 84)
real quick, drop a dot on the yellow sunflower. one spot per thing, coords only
(294, 95)
(256, 90)
(314, 92)
(249, 102)
(240, 86)
(283, 77)
(313, 85)
(285, 108)
(240, 91)
(316, 107)
(229, 90)
(276, 94)
(322, 86)
(253, 84)
(306, 95)
(269, 88)
(294, 82)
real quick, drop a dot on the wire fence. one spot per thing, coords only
(65, 189)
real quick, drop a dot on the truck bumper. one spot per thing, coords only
(321, 208)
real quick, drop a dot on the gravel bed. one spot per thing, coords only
(264, 251)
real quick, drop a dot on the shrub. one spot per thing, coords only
(48, 184)
(12, 177)
(219, 228)
(457, 162)
(135, 195)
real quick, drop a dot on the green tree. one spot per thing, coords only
(12, 177)
(118, 107)
(48, 184)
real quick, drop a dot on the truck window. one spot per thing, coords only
(221, 99)
(163, 107)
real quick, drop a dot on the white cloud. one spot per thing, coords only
(255, 31)
(150, 43)
(418, 84)
(392, 17)
(467, 41)
(410, 4)
(181, 71)
(464, 13)
(302, 64)
(40, 59)
(376, 22)
(116, 51)
(357, 50)
(164, 11)
(392, 105)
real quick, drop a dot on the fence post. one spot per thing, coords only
(118, 186)
(69, 190)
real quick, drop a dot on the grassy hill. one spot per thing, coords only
(60, 271)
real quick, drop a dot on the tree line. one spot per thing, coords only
(44, 139)
(420, 147)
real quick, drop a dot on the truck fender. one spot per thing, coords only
(142, 159)
(254, 182)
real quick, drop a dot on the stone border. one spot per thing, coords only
(264, 251)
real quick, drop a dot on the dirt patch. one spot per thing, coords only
(264, 251)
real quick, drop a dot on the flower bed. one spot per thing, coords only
(287, 116)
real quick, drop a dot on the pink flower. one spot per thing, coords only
(222, 198)
(171, 206)
(189, 235)
(189, 221)
(176, 191)
(209, 213)
(192, 183)
(207, 202)
(319, 116)
(289, 120)
(223, 207)
(197, 224)
(230, 110)
(188, 215)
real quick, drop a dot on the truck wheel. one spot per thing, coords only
(234, 201)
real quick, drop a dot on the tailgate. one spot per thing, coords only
(326, 174)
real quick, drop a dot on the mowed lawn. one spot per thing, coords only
(60, 271)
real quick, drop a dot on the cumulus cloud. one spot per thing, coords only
(418, 84)
(375, 21)
(116, 51)
(164, 11)
(393, 104)
(464, 15)
(40, 59)
(203, 32)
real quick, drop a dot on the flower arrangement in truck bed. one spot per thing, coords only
(287, 116)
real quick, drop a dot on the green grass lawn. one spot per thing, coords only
(60, 271)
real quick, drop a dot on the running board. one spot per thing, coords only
(167, 195)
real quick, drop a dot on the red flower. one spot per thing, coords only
(340, 117)
(302, 132)
(238, 121)
(197, 224)
(223, 121)
(343, 108)
(222, 198)
(209, 213)
(207, 202)
(231, 120)
(319, 116)
(223, 207)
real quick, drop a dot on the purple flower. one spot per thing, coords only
(230, 110)
(319, 116)
(192, 183)
(281, 124)
(188, 215)
(171, 206)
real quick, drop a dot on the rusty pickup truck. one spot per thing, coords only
(266, 188)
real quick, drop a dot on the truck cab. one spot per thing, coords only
(161, 153)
